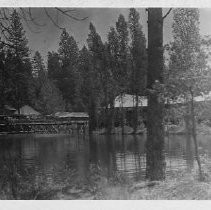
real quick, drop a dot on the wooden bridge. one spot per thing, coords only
(69, 126)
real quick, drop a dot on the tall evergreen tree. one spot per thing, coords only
(39, 76)
(50, 99)
(108, 87)
(122, 61)
(68, 53)
(112, 56)
(123, 52)
(96, 50)
(47, 97)
(3, 78)
(139, 60)
(38, 66)
(18, 63)
(85, 72)
(54, 66)
(101, 64)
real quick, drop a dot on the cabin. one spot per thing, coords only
(128, 102)
(27, 111)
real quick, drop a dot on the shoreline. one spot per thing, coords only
(182, 185)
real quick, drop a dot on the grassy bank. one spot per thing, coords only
(181, 185)
(186, 187)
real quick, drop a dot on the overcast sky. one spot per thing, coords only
(48, 37)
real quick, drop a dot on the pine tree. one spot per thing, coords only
(68, 53)
(122, 61)
(112, 54)
(54, 66)
(123, 52)
(139, 60)
(3, 78)
(18, 61)
(17, 38)
(96, 50)
(50, 99)
(108, 87)
(47, 98)
(39, 76)
(85, 72)
(37, 65)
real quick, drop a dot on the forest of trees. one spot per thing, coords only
(90, 78)
(75, 79)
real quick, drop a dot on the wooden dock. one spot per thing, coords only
(46, 127)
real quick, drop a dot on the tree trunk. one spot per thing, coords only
(108, 113)
(122, 114)
(136, 113)
(155, 159)
(189, 152)
(194, 135)
(106, 116)
(2, 88)
(92, 114)
(110, 117)
(18, 99)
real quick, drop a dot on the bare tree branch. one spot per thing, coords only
(33, 19)
(30, 21)
(5, 11)
(69, 10)
(69, 15)
(26, 20)
(167, 13)
(52, 20)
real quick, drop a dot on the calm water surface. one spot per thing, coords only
(53, 155)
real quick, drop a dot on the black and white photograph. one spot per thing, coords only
(105, 103)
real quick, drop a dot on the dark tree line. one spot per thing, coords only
(74, 79)
(24, 80)
(90, 78)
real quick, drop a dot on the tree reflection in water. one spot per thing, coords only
(189, 153)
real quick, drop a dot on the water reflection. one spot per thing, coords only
(53, 155)
(189, 153)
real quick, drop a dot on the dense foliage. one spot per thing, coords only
(74, 79)
(90, 78)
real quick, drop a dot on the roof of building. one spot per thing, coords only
(7, 107)
(128, 100)
(27, 110)
(71, 114)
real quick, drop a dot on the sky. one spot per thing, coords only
(46, 38)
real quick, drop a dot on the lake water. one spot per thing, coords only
(54, 155)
